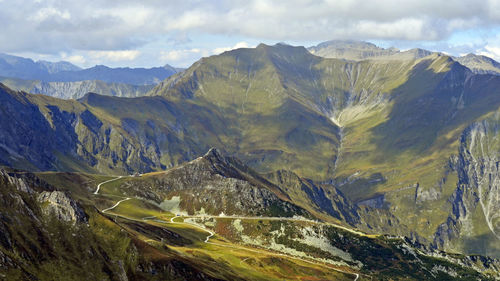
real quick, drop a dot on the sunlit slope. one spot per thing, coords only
(281, 98)
(383, 132)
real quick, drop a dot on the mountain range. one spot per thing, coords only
(359, 50)
(391, 152)
(65, 80)
(27, 69)
(76, 89)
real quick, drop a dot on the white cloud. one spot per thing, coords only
(189, 20)
(491, 51)
(177, 55)
(115, 56)
(183, 57)
(49, 12)
(224, 49)
(102, 26)
(408, 28)
(76, 59)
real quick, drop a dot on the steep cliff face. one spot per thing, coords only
(19, 138)
(318, 198)
(76, 90)
(66, 135)
(325, 199)
(474, 225)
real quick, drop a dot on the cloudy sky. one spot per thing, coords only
(155, 32)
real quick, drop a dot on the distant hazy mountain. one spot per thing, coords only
(351, 50)
(480, 64)
(359, 50)
(24, 68)
(135, 76)
(18, 67)
(76, 89)
(54, 67)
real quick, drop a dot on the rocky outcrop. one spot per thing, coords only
(60, 205)
(53, 203)
(215, 184)
(19, 183)
(476, 200)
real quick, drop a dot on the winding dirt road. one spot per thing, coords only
(115, 205)
(99, 185)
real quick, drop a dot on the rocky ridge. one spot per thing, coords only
(477, 192)
(214, 184)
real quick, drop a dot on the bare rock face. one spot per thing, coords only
(78, 89)
(57, 203)
(215, 184)
(476, 201)
(19, 183)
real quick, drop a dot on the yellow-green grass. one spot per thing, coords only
(248, 262)
(264, 264)
(114, 187)
(81, 185)
(260, 265)
(138, 209)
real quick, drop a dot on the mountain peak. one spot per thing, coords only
(351, 50)
(262, 46)
(213, 152)
(279, 46)
(479, 64)
(227, 167)
(89, 97)
(348, 44)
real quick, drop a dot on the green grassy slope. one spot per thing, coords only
(382, 130)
